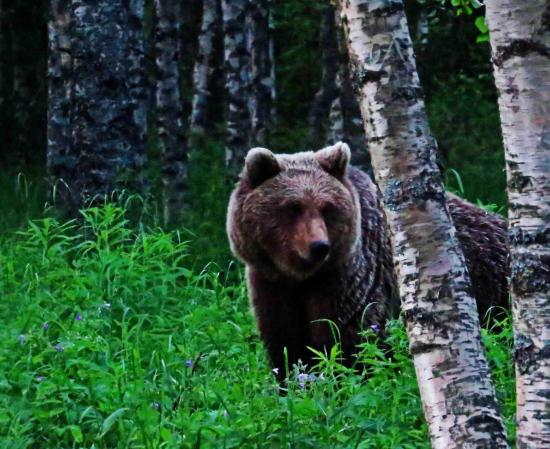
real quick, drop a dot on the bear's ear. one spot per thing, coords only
(334, 159)
(261, 165)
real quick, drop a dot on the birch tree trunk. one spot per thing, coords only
(204, 66)
(262, 83)
(520, 41)
(440, 312)
(169, 112)
(98, 97)
(237, 84)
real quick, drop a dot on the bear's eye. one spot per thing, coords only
(329, 211)
(293, 209)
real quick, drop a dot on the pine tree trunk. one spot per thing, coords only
(237, 84)
(440, 312)
(520, 41)
(98, 97)
(321, 105)
(169, 111)
(203, 66)
(262, 84)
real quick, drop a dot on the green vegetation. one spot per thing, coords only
(111, 340)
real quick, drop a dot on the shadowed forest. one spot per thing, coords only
(124, 126)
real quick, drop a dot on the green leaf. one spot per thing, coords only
(481, 25)
(110, 420)
(76, 433)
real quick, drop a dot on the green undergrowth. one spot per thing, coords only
(110, 340)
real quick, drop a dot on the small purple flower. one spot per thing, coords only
(21, 339)
(40, 379)
(78, 317)
(225, 414)
(189, 363)
(155, 405)
(45, 326)
(302, 379)
(375, 328)
(58, 347)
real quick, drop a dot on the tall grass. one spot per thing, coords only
(111, 340)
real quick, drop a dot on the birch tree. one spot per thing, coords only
(169, 111)
(520, 41)
(237, 83)
(440, 312)
(203, 68)
(98, 95)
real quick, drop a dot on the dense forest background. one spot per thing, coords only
(454, 65)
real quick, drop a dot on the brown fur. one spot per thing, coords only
(284, 203)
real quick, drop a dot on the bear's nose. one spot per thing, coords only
(318, 250)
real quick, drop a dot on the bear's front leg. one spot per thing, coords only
(282, 322)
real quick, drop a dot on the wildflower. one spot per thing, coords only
(189, 363)
(21, 339)
(302, 379)
(225, 414)
(155, 405)
(375, 328)
(58, 347)
(275, 371)
(45, 326)
(78, 317)
(40, 379)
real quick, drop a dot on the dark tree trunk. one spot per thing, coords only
(169, 111)
(327, 92)
(210, 27)
(261, 63)
(62, 156)
(98, 97)
(237, 84)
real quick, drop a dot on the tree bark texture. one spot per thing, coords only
(237, 84)
(62, 155)
(520, 41)
(259, 42)
(98, 97)
(442, 322)
(169, 111)
(204, 65)
(325, 96)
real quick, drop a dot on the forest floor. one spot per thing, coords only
(113, 338)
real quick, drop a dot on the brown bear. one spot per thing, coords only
(312, 233)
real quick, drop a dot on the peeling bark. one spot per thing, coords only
(169, 112)
(237, 84)
(440, 312)
(204, 66)
(98, 95)
(520, 41)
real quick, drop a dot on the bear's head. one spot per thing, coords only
(292, 215)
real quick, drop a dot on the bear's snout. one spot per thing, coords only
(318, 250)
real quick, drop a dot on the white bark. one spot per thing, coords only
(440, 312)
(520, 41)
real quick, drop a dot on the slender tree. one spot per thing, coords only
(98, 94)
(169, 111)
(520, 41)
(261, 76)
(203, 68)
(62, 156)
(325, 96)
(440, 312)
(237, 83)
